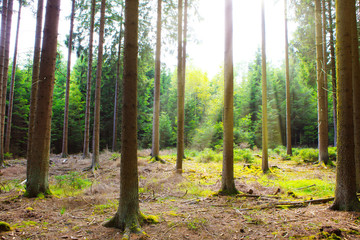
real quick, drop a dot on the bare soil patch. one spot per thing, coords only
(182, 214)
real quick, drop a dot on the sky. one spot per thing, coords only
(207, 52)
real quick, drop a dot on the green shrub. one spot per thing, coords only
(309, 154)
(243, 155)
(71, 183)
(332, 153)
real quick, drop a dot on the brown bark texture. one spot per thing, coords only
(38, 170)
(227, 180)
(96, 133)
(345, 189)
(181, 94)
(2, 56)
(88, 84)
(12, 83)
(321, 88)
(156, 113)
(265, 157)
(64, 152)
(128, 215)
(287, 79)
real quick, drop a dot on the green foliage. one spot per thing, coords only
(8, 155)
(70, 184)
(243, 155)
(309, 154)
(196, 223)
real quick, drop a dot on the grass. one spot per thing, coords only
(70, 184)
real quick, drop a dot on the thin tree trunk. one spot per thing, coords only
(345, 190)
(117, 83)
(128, 214)
(321, 88)
(37, 179)
(35, 79)
(64, 152)
(156, 112)
(11, 96)
(88, 85)
(227, 180)
(325, 60)
(333, 69)
(2, 56)
(288, 104)
(96, 134)
(181, 94)
(265, 161)
(5, 74)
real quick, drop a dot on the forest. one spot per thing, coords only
(103, 138)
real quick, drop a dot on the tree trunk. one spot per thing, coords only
(5, 74)
(356, 97)
(181, 94)
(321, 89)
(88, 84)
(288, 104)
(38, 169)
(227, 180)
(156, 112)
(128, 215)
(96, 134)
(333, 69)
(345, 190)
(11, 96)
(265, 160)
(2, 56)
(116, 95)
(64, 152)
(35, 78)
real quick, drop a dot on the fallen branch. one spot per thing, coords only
(256, 196)
(313, 185)
(291, 204)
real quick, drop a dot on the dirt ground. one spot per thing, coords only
(182, 215)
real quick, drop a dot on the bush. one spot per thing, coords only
(332, 153)
(245, 155)
(309, 154)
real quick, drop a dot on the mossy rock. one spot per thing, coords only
(4, 227)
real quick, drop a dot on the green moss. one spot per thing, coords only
(4, 227)
(149, 219)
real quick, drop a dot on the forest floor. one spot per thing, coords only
(268, 207)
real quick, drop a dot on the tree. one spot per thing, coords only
(2, 56)
(38, 169)
(128, 216)
(227, 180)
(333, 67)
(88, 84)
(156, 112)
(64, 152)
(117, 83)
(321, 88)
(265, 163)
(35, 78)
(96, 133)
(6, 73)
(345, 190)
(287, 73)
(11, 96)
(181, 94)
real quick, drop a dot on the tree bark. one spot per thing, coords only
(96, 134)
(156, 111)
(128, 215)
(88, 84)
(64, 152)
(2, 56)
(35, 78)
(345, 190)
(11, 96)
(38, 169)
(333, 69)
(265, 160)
(227, 180)
(321, 88)
(5, 74)
(181, 94)
(117, 83)
(287, 76)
